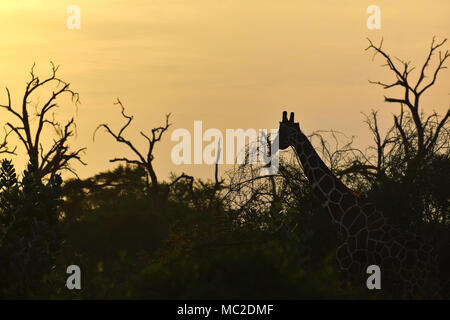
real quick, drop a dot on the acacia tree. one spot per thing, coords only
(405, 153)
(405, 169)
(58, 156)
(414, 137)
(428, 129)
(144, 160)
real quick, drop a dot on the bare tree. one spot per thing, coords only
(143, 160)
(427, 129)
(57, 157)
(411, 138)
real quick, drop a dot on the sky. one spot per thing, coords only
(231, 64)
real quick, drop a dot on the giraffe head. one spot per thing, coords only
(287, 128)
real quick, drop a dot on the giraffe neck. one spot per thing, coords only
(328, 188)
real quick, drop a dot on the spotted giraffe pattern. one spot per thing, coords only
(408, 264)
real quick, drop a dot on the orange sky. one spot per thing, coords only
(231, 64)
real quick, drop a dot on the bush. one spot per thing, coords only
(30, 235)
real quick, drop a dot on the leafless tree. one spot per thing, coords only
(256, 199)
(428, 129)
(57, 157)
(411, 138)
(143, 159)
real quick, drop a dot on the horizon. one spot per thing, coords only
(231, 65)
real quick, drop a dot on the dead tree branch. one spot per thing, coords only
(142, 159)
(412, 92)
(59, 156)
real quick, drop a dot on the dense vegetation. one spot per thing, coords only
(237, 236)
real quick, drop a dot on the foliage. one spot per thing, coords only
(242, 236)
(29, 231)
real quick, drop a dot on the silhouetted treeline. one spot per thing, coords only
(238, 235)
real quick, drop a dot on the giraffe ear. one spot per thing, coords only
(291, 118)
(285, 119)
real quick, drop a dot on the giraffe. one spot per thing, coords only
(408, 265)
